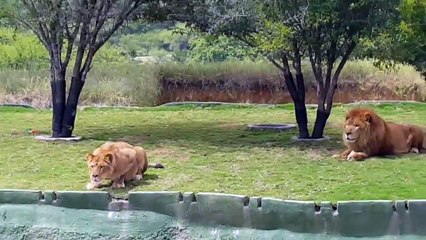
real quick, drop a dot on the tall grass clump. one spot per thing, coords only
(122, 84)
(25, 87)
(107, 84)
(401, 80)
(229, 74)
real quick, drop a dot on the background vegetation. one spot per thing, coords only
(128, 84)
(139, 61)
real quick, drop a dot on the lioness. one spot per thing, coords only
(366, 134)
(117, 161)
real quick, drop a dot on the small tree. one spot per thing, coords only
(325, 33)
(74, 30)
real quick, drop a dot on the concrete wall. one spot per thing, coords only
(347, 219)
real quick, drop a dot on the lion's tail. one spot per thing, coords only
(156, 165)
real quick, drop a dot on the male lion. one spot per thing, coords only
(366, 135)
(117, 161)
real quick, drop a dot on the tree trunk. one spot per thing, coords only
(320, 121)
(57, 85)
(70, 112)
(298, 98)
(300, 107)
(301, 118)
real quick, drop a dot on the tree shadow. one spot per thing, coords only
(208, 134)
(122, 192)
(400, 156)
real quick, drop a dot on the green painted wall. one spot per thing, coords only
(173, 215)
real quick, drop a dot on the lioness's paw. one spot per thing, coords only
(118, 185)
(138, 177)
(415, 150)
(90, 186)
(336, 156)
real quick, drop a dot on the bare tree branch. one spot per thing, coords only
(70, 36)
(121, 18)
(330, 93)
(276, 64)
(331, 58)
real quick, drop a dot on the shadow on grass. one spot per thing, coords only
(207, 134)
(122, 192)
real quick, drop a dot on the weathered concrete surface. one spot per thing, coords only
(48, 138)
(271, 127)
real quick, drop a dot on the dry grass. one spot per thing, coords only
(119, 85)
(404, 79)
(140, 85)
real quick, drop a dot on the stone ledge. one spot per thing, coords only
(20, 196)
(16, 105)
(48, 138)
(82, 200)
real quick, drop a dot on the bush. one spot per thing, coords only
(219, 49)
(21, 50)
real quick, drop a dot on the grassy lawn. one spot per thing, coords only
(209, 150)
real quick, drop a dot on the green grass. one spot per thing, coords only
(209, 150)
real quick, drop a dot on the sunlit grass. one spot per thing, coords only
(210, 150)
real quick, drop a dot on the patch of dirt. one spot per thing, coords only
(336, 124)
(169, 153)
(235, 169)
(314, 154)
(321, 152)
(229, 126)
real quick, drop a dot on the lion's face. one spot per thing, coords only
(357, 123)
(99, 166)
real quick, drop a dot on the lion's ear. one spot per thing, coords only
(367, 117)
(108, 158)
(89, 157)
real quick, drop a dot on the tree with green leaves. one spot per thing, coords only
(413, 28)
(218, 49)
(323, 33)
(74, 31)
(405, 42)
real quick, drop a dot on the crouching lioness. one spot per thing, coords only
(117, 161)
